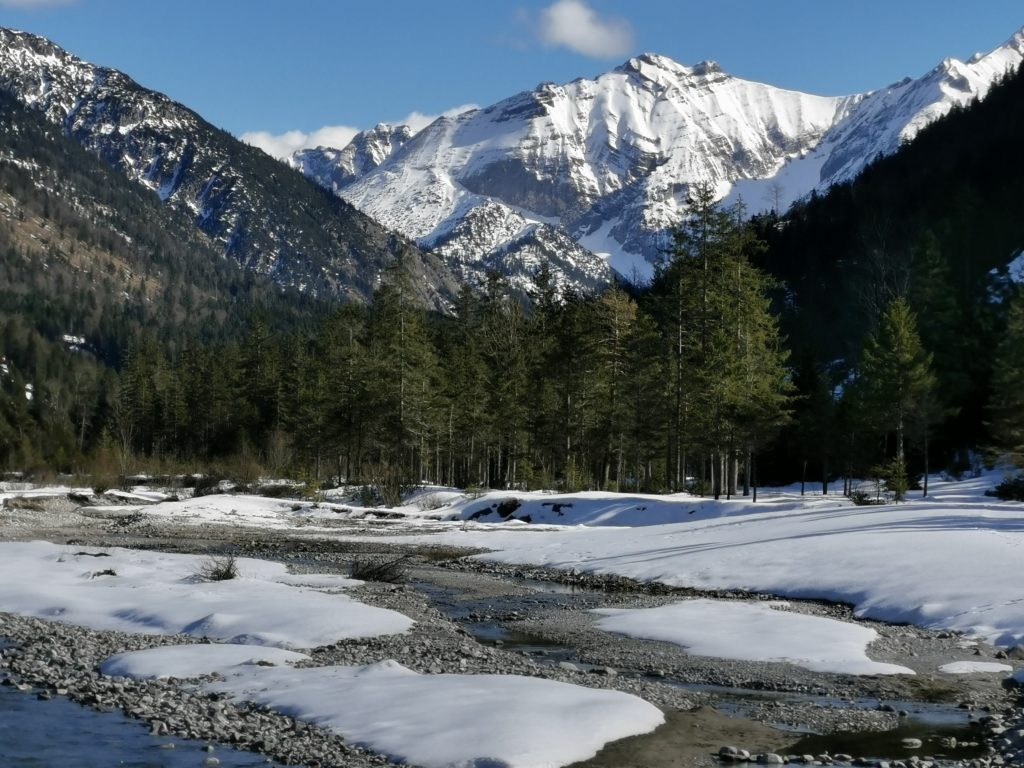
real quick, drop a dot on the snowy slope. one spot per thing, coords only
(337, 168)
(609, 160)
(615, 150)
(881, 122)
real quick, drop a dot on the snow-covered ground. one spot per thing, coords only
(754, 632)
(950, 561)
(158, 593)
(428, 720)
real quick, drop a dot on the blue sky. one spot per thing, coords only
(321, 69)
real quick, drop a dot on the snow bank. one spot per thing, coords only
(450, 720)
(754, 632)
(973, 667)
(951, 561)
(194, 660)
(599, 508)
(158, 593)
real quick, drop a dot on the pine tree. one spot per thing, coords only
(403, 369)
(728, 378)
(897, 377)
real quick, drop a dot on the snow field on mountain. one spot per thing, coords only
(160, 593)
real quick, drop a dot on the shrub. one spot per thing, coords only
(222, 568)
(276, 491)
(895, 475)
(206, 485)
(1010, 489)
(862, 498)
(372, 569)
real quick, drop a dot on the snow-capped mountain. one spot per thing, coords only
(608, 161)
(881, 121)
(268, 217)
(337, 168)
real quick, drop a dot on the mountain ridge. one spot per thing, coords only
(608, 160)
(269, 219)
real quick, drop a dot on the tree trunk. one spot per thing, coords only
(746, 474)
(925, 491)
(753, 460)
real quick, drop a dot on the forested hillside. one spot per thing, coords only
(90, 262)
(936, 223)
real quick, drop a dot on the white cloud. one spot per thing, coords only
(418, 121)
(284, 145)
(31, 5)
(577, 26)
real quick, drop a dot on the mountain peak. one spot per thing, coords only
(662, 70)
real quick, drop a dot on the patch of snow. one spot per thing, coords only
(973, 667)
(631, 266)
(753, 631)
(450, 720)
(159, 593)
(1015, 269)
(186, 661)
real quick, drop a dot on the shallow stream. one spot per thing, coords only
(57, 733)
(944, 730)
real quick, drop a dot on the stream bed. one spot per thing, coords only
(58, 733)
(944, 731)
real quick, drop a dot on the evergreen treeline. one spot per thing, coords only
(683, 386)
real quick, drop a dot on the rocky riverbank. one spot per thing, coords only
(471, 617)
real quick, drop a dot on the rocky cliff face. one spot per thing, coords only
(264, 215)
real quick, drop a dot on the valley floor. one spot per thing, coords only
(651, 631)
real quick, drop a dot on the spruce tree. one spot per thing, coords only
(897, 379)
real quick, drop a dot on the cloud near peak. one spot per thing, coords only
(284, 145)
(575, 25)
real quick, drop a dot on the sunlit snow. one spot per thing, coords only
(755, 632)
(159, 593)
